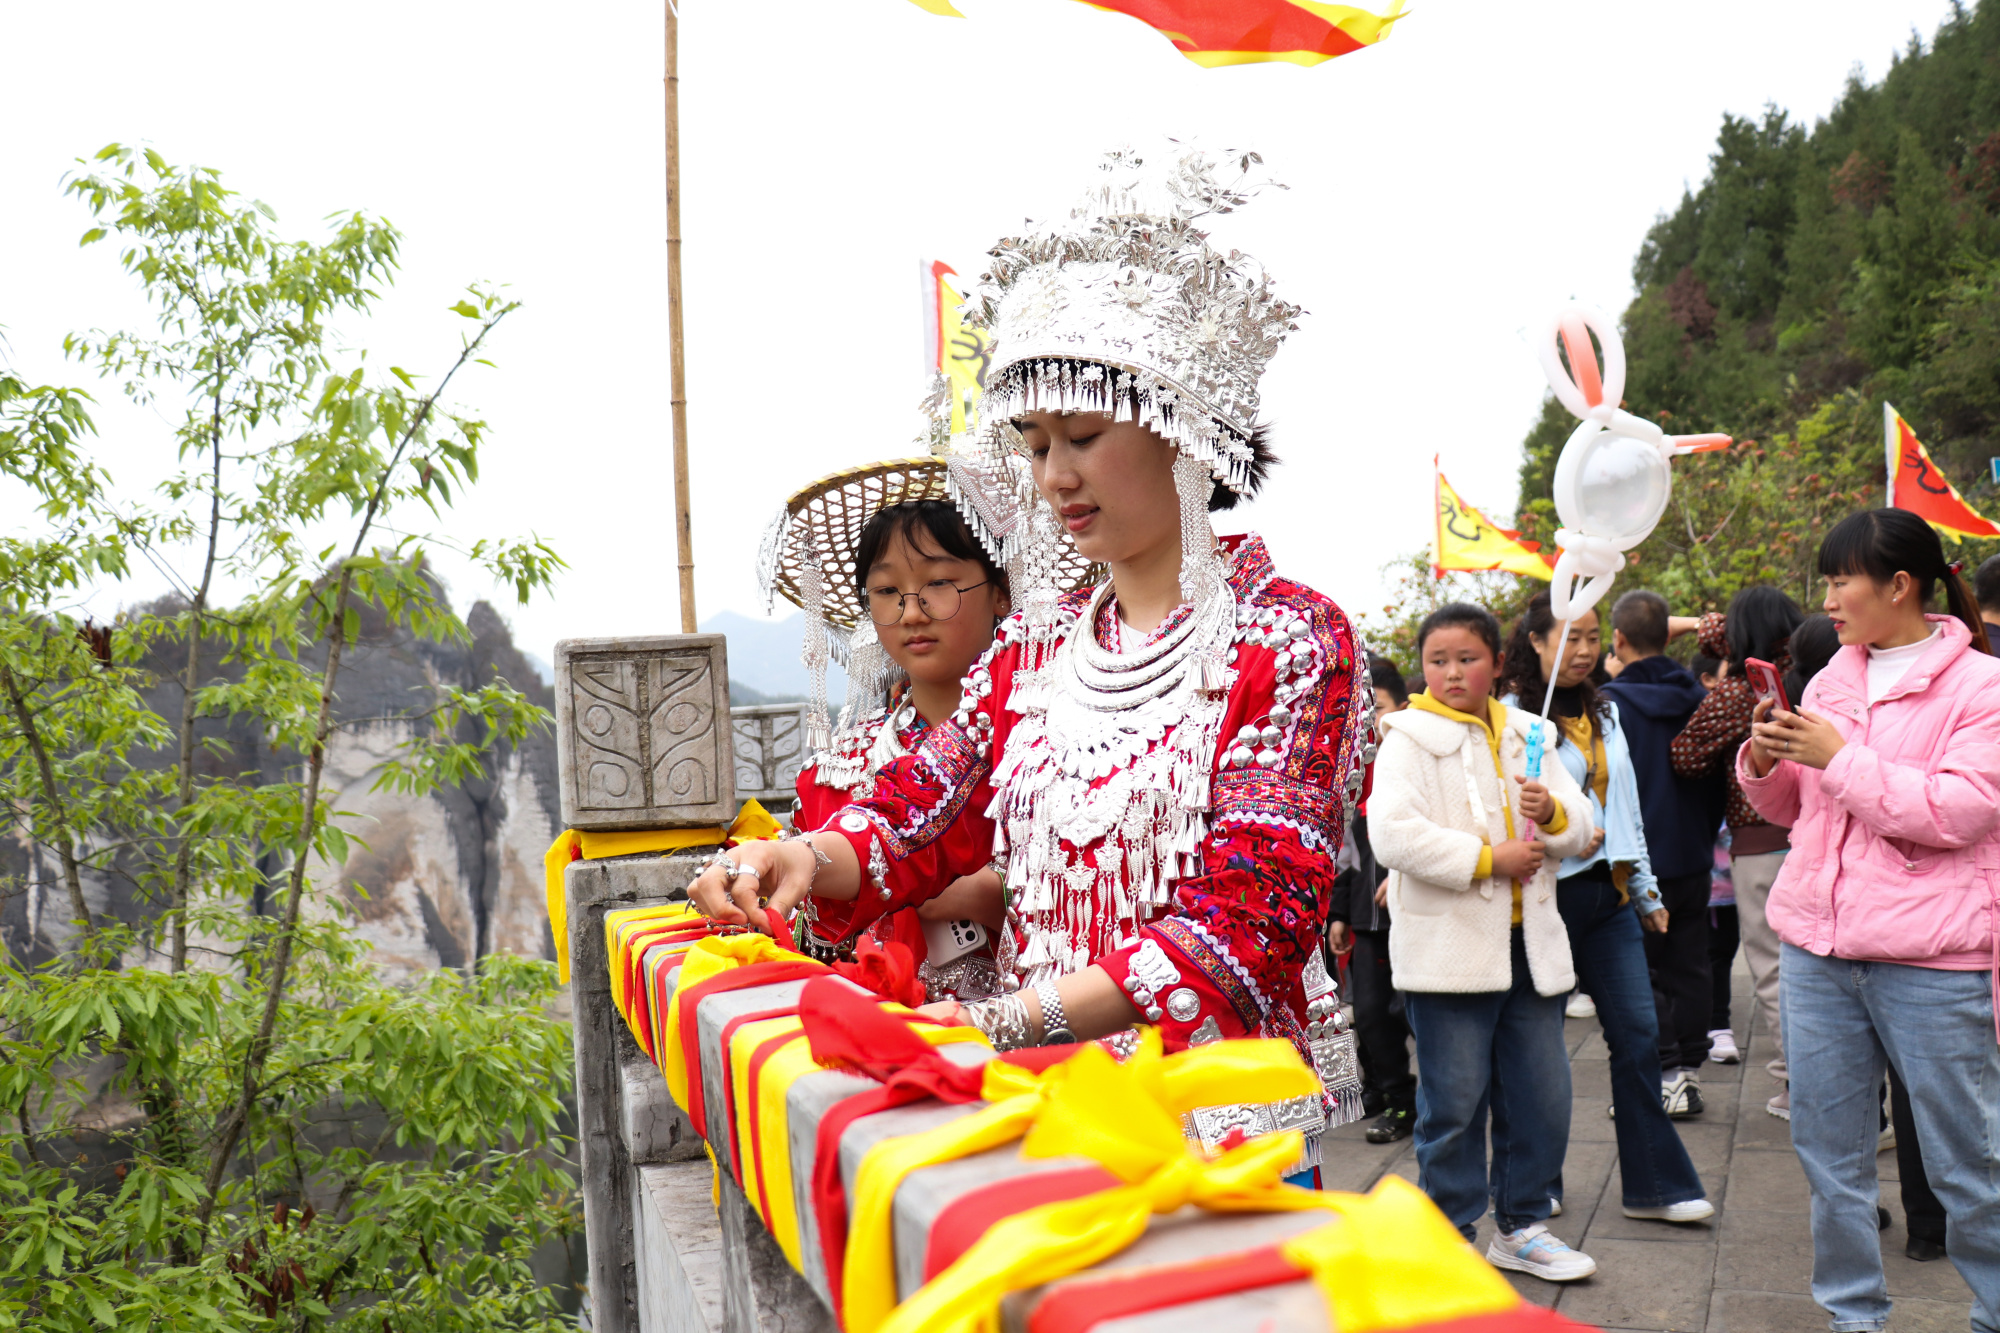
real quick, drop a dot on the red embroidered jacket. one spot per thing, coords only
(1237, 935)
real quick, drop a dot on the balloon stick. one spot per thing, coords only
(1535, 741)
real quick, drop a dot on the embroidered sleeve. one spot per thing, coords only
(1301, 726)
(1238, 941)
(897, 830)
(1293, 751)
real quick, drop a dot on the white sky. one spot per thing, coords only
(1449, 186)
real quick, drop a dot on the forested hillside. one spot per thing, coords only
(1816, 272)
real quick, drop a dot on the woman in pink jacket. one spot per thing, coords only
(1889, 775)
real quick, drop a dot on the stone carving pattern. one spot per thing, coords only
(770, 750)
(642, 728)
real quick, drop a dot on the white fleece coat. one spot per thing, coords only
(1435, 804)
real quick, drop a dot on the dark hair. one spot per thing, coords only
(1383, 675)
(1813, 645)
(1701, 664)
(1986, 584)
(1761, 621)
(1641, 616)
(930, 527)
(1880, 543)
(1414, 685)
(1220, 497)
(1521, 670)
(1461, 615)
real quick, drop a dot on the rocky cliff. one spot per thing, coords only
(434, 881)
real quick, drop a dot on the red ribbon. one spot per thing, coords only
(960, 1223)
(889, 970)
(851, 1031)
(1080, 1306)
(737, 978)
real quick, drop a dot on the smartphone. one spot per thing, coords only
(1765, 680)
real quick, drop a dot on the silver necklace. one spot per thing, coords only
(1091, 674)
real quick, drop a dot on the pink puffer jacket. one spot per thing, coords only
(1896, 844)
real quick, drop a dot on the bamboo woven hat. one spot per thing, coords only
(820, 527)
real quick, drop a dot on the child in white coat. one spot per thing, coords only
(1477, 943)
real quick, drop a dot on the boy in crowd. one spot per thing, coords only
(1359, 922)
(1656, 696)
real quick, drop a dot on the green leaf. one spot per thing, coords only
(466, 308)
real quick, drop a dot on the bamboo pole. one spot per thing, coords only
(676, 351)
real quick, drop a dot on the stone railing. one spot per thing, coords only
(675, 1245)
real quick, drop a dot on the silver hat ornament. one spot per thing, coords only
(1125, 307)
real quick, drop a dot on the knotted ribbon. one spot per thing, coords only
(1391, 1261)
(1125, 1118)
(850, 1031)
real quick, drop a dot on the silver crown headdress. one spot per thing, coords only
(1124, 307)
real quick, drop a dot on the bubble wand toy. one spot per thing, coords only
(1612, 482)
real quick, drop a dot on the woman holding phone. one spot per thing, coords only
(1888, 772)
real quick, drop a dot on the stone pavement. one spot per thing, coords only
(1749, 1268)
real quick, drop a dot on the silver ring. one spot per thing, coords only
(738, 871)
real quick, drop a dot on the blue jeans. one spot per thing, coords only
(1604, 939)
(1843, 1020)
(1464, 1041)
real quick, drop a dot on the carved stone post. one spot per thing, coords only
(641, 732)
(770, 750)
(643, 742)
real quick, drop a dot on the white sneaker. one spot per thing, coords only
(1688, 1210)
(1681, 1095)
(1781, 1105)
(1555, 1206)
(1722, 1047)
(1537, 1252)
(1580, 1006)
(1886, 1139)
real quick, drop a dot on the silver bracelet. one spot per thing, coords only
(820, 858)
(1055, 1024)
(1004, 1020)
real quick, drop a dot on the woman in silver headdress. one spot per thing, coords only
(1163, 762)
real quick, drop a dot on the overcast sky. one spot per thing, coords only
(1449, 186)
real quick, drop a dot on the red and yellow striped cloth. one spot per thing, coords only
(1246, 32)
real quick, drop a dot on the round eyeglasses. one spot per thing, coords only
(939, 600)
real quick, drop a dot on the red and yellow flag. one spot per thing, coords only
(1466, 539)
(954, 348)
(1245, 32)
(1916, 484)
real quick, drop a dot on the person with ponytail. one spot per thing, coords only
(1888, 772)
(1603, 894)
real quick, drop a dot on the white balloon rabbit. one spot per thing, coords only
(1612, 481)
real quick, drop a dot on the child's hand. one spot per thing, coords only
(1517, 858)
(1536, 803)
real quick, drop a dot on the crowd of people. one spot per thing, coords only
(1821, 791)
(1104, 776)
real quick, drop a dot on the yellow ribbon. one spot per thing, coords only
(1394, 1261)
(716, 954)
(786, 1066)
(752, 823)
(1127, 1119)
(868, 1273)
